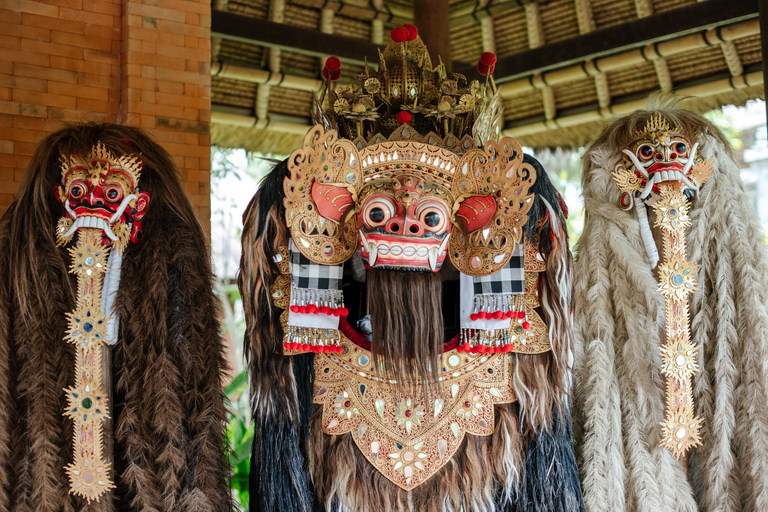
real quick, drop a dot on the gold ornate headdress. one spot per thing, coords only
(104, 206)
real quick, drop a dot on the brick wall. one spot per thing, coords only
(143, 62)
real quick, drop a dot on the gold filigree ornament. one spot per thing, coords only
(328, 175)
(89, 473)
(404, 437)
(627, 180)
(671, 163)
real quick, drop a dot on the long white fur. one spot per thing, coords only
(619, 389)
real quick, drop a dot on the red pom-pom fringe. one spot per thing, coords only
(485, 70)
(400, 34)
(404, 117)
(413, 32)
(332, 63)
(488, 58)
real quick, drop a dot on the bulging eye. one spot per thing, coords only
(645, 151)
(681, 148)
(377, 211)
(113, 194)
(376, 215)
(432, 219)
(433, 215)
(77, 190)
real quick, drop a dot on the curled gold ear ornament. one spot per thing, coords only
(320, 197)
(492, 187)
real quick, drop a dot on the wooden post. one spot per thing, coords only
(763, 5)
(432, 17)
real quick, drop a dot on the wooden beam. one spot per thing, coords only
(236, 27)
(432, 19)
(670, 24)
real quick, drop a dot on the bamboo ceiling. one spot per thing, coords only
(261, 96)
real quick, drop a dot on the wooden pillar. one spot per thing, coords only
(764, 42)
(432, 17)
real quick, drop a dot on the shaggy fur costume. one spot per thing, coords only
(167, 409)
(528, 464)
(620, 318)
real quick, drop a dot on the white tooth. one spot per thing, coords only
(409, 250)
(363, 241)
(382, 249)
(691, 158)
(663, 176)
(433, 258)
(638, 166)
(69, 209)
(422, 251)
(657, 178)
(322, 222)
(372, 254)
(396, 250)
(78, 223)
(444, 244)
(648, 187)
(109, 233)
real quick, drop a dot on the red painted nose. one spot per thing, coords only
(406, 225)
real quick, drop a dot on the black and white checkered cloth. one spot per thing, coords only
(510, 280)
(306, 274)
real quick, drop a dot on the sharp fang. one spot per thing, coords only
(373, 252)
(322, 222)
(691, 158)
(433, 258)
(108, 230)
(69, 209)
(648, 187)
(638, 166)
(688, 183)
(363, 241)
(127, 199)
(444, 244)
(78, 224)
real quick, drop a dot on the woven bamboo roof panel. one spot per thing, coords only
(749, 50)
(290, 102)
(690, 66)
(466, 43)
(523, 106)
(300, 16)
(350, 27)
(235, 93)
(575, 100)
(634, 79)
(254, 139)
(578, 92)
(612, 12)
(558, 20)
(256, 8)
(511, 32)
(293, 63)
(235, 51)
(666, 5)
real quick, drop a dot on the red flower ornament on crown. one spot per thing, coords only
(101, 191)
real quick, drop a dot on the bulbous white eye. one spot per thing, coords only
(681, 148)
(433, 215)
(77, 189)
(645, 151)
(377, 211)
(113, 193)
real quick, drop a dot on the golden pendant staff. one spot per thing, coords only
(89, 473)
(663, 157)
(681, 429)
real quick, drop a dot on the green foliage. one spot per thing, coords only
(240, 437)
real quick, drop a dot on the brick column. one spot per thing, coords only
(166, 84)
(106, 60)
